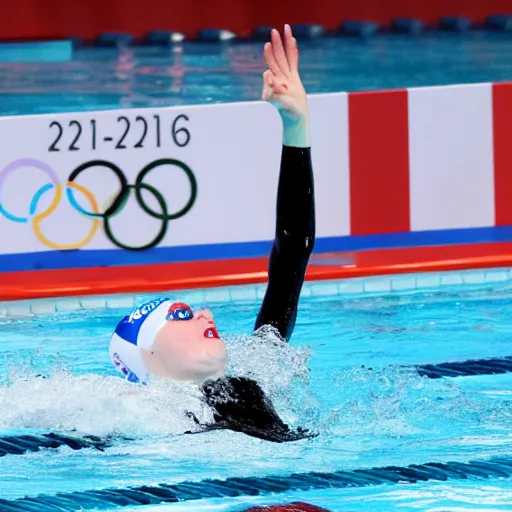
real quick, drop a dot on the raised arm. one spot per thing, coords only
(295, 223)
(238, 403)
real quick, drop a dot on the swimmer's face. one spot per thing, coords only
(187, 347)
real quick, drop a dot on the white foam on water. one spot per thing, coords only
(102, 405)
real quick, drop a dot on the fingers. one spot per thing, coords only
(268, 84)
(292, 52)
(279, 53)
(268, 78)
(270, 59)
(272, 87)
(282, 58)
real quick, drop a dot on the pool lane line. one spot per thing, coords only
(18, 445)
(496, 467)
(472, 367)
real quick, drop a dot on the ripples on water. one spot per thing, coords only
(347, 375)
(195, 73)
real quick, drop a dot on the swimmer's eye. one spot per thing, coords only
(179, 311)
(211, 332)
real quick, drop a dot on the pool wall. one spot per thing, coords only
(405, 180)
(375, 286)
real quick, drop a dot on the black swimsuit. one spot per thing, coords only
(239, 403)
(293, 243)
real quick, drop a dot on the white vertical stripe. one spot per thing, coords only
(329, 146)
(451, 157)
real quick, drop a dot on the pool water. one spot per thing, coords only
(349, 374)
(196, 73)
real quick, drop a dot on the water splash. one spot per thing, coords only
(398, 402)
(107, 405)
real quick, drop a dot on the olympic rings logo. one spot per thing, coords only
(117, 205)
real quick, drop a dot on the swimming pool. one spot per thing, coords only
(197, 73)
(351, 373)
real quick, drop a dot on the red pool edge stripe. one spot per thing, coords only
(207, 274)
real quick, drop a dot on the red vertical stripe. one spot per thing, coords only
(502, 126)
(379, 162)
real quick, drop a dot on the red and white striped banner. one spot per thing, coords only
(429, 158)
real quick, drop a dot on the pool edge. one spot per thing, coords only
(155, 278)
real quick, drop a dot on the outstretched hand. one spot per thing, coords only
(282, 85)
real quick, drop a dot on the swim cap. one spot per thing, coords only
(134, 332)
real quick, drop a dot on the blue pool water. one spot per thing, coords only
(349, 374)
(195, 73)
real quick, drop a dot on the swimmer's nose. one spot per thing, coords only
(205, 313)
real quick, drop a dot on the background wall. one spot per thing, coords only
(87, 18)
(410, 167)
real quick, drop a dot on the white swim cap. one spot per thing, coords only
(135, 332)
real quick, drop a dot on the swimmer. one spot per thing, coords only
(168, 339)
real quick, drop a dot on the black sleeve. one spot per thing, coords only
(293, 243)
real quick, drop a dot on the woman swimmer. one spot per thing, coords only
(167, 339)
